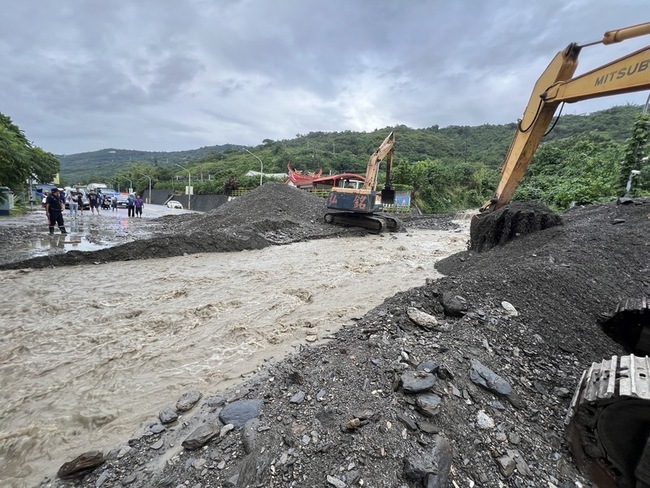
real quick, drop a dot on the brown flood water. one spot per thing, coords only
(89, 353)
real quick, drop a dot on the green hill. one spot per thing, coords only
(455, 167)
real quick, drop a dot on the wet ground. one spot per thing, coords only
(27, 236)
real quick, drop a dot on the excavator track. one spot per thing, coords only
(608, 422)
(629, 325)
(374, 223)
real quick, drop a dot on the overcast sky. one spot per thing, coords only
(85, 75)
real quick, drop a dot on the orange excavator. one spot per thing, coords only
(358, 207)
(608, 422)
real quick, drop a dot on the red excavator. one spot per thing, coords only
(608, 424)
(358, 207)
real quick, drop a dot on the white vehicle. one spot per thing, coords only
(174, 204)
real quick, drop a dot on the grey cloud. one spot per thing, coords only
(153, 75)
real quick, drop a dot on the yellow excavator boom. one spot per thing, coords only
(556, 85)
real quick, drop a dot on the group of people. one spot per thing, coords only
(55, 203)
(134, 204)
(74, 199)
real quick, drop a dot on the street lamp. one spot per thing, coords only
(189, 185)
(148, 199)
(261, 164)
(130, 184)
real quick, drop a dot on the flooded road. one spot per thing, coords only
(87, 232)
(89, 353)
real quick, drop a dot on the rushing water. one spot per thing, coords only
(89, 353)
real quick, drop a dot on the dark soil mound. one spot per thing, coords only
(271, 214)
(345, 413)
(512, 221)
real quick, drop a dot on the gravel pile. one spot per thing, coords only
(462, 382)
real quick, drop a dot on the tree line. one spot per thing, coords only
(585, 159)
(20, 160)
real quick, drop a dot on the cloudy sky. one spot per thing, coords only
(84, 75)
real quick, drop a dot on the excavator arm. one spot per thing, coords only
(387, 148)
(556, 85)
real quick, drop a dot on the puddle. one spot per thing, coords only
(83, 235)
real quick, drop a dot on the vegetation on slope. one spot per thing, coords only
(586, 158)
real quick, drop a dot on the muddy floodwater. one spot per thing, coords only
(90, 353)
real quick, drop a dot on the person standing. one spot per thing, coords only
(130, 203)
(114, 204)
(72, 199)
(54, 210)
(80, 201)
(92, 201)
(139, 205)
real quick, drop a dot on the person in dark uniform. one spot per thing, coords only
(54, 210)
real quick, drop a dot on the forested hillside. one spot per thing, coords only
(582, 159)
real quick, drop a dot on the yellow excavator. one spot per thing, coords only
(358, 207)
(608, 422)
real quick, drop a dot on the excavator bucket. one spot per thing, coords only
(388, 196)
(496, 228)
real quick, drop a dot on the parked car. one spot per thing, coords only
(174, 204)
(122, 200)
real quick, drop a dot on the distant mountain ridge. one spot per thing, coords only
(349, 150)
(106, 162)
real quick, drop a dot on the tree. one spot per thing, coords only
(19, 160)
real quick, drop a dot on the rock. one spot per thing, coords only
(157, 428)
(188, 400)
(429, 366)
(506, 465)
(453, 305)
(428, 427)
(417, 381)
(298, 398)
(129, 479)
(337, 483)
(484, 421)
(249, 434)
(509, 308)
(157, 445)
(406, 420)
(102, 479)
(225, 429)
(199, 437)
(491, 381)
(431, 470)
(423, 319)
(240, 412)
(214, 401)
(81, 465)
(168, 415)
(428, 404)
